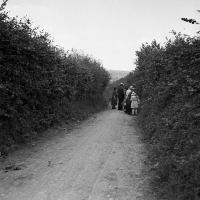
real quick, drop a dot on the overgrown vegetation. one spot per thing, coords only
(40, 83)
(167, 80)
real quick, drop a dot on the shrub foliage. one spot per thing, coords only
(167, 80)
(39, 82)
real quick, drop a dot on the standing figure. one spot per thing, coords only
(114, 98)
(134, 103)
(128, 109)
(120, 94)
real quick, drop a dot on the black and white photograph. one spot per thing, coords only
(99, 99)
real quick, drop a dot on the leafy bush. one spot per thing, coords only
(39, 82)
(167, 80)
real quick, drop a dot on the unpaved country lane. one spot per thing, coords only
(99, 160)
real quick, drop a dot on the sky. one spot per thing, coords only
(109, 30)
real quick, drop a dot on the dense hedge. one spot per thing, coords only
(167, 80)
(39, 82)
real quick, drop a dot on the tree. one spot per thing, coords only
(3, 5)
(191, 21)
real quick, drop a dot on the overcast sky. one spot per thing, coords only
(110, 30)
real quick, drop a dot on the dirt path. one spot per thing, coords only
(100, 159)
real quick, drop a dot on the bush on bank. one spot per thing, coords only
(167, 80)
(39, 82)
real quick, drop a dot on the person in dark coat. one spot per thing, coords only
(120, 94)
(114, 98)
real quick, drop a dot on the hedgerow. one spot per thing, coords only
(39, 82)
(167, 80)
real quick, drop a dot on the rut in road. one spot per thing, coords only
(100, 159)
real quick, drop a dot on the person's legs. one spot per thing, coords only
(136, 112)
(129, 110)
(119, 108)
(120, 104)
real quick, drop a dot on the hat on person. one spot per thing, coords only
(121, 84)
(131, 87)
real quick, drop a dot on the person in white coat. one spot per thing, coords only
(127, 101)
(134, 103)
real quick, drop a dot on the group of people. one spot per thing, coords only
(125, 99)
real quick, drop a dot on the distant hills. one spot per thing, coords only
(117, 74)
